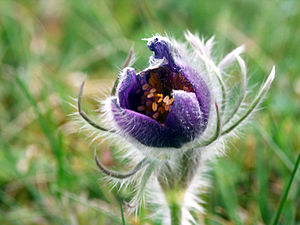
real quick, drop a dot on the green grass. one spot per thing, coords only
(47, 173)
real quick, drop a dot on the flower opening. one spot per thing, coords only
(156, 94)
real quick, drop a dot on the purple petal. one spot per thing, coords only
(162, 48)
(201, 90)
(185, 119)
(183, 124)
(128, 89)
(143, 128)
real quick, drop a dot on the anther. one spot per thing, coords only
(160, 97)
(167, 107)
(155, 115)
(161, 110)
(166, 99)
(145, 87)
(154, 106)
(185, 88)
(150, 95)
(141, 108)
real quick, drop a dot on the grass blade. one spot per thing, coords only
(122, 213)
(286, 192)
(55, 142)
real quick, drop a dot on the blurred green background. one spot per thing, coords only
(47, 172)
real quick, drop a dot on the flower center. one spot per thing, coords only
(156, 100)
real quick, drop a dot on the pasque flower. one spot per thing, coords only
(176, 113)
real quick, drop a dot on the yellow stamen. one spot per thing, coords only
(150, 95)
(154, 106)
(166, 99)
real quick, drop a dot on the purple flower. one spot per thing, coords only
(165, 105)
(174, 103)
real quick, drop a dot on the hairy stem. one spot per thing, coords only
(175, 200)
(175, 181)
(175, 214)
